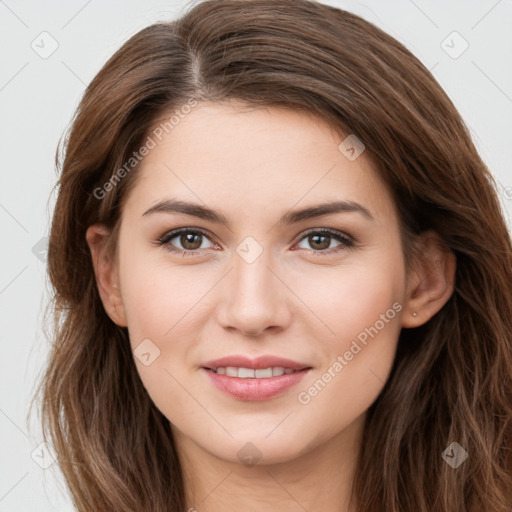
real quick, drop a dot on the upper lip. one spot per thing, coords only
(259, 363)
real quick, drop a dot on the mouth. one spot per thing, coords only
(253, 373)
(254, 380)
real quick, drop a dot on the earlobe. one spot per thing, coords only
(432, 283)
(106, 273)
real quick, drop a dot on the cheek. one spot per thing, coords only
(162, 303)
(356, 367)
(158, 296)
(353, 298)
(363, 310)
(158, 309)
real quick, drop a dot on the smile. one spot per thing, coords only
(251, 373)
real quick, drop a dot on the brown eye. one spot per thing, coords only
(321, 240)
(190, 240)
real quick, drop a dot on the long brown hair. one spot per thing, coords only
(452, 377)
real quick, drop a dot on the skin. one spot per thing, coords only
(254, 165)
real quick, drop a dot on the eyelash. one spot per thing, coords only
(344, 240)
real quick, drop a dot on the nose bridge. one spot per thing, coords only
(255, 297)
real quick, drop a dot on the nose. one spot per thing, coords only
(257, 298)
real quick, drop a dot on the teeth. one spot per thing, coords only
(231, 371)
(246, 373)
(266, 373)
(250, 373)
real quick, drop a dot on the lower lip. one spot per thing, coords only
(255, 389)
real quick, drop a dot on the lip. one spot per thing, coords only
(258, 363)
(255, 389)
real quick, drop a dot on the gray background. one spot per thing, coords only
(39, 95)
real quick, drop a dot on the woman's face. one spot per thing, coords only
(260, 281)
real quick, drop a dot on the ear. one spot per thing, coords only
(106, 272)
(431, 284)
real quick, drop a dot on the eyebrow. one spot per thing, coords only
(291, 217)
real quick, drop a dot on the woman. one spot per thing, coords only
(281, 277)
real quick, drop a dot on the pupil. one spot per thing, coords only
(326, 243)
(186, 241)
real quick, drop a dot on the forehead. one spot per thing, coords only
(253, 157)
